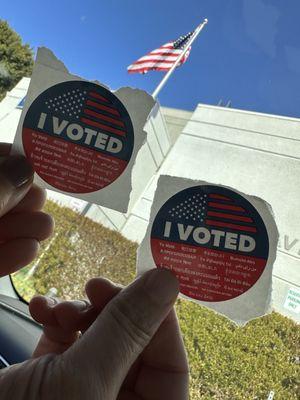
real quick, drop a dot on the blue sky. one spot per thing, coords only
(248, 53)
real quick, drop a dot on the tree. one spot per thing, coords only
(16, 58)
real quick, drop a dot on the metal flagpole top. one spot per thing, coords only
(168, 74)
(205, 21)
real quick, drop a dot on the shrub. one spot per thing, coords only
(16, 58)
(226, 362)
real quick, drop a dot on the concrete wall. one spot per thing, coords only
(175, 120)
(10, 112)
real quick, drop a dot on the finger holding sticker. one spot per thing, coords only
(80, 137)
(219, 243)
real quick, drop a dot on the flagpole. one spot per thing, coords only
(169, 73)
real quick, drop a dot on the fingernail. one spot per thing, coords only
(16, 170)
(162, 284)
(51, 301)
(81, 304)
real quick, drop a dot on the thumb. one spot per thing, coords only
(122, 331)
(16, 176)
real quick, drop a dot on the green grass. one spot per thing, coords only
(226, 362)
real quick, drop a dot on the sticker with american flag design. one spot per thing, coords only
(214, 241)
(78, 136)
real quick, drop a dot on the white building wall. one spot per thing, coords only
(175, 120)
(9, 111)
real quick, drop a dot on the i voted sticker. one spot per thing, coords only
(78, 136)
(213, 240)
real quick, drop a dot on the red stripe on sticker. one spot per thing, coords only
(219, 197)
(102, 126)
(104, 117)
(232, 226)
(225, 206)
(229, 216)
(103, 107)
(97, 96)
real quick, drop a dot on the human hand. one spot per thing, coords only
(64, 321)
(22, 224)
(132, 350)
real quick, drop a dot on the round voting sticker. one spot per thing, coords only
(78, 136)
(213, 240)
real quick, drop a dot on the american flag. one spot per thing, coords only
(215, 210)
(163, 58)
(89, 107)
